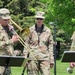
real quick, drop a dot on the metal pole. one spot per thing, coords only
(54, 46)
(54, 36)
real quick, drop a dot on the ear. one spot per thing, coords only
(1, 18)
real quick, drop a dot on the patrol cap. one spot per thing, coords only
(4, 13)
(40, 14)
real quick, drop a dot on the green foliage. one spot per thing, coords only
(62, 12)
(73, 20)
(1, 3)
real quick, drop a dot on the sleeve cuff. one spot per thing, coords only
(9, 42)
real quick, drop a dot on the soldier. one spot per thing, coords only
(72, 64)
(7, 39)
(40, 42)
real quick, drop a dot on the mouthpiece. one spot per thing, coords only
(70, 70)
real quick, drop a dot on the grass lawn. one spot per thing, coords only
(60, 69)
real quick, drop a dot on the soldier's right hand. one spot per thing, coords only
(15, 38)
(72, 64)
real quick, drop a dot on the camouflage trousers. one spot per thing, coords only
(41, 67)
(4, 71)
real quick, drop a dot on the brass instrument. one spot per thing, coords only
(24, 32)
(27, 31)
(70, 70)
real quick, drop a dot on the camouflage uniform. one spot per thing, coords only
(41, 47)
(6, 46)
(73, 42)
(7, 39)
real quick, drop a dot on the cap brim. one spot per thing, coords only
(7, 17)
(40, 17)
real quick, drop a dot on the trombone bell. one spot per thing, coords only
(23, 32)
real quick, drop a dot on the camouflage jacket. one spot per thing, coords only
(6, 45)
(73, 41)
(41, 44)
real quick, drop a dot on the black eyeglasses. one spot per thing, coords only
(39, 18)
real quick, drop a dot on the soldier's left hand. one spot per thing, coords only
(51, 65)
(11, 28)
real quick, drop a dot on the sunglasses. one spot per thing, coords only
(6, 19)
(39, 18)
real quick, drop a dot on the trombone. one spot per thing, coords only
(26, 32)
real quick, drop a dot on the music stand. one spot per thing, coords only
(68, 56)
(14, 61)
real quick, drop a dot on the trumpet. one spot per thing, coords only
(27, 31)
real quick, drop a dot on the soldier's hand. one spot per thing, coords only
(72, 64)
(17, 52)
(51, 65)
(11, 27)
(15, 38)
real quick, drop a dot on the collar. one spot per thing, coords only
(42, 28)
(1, 27)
